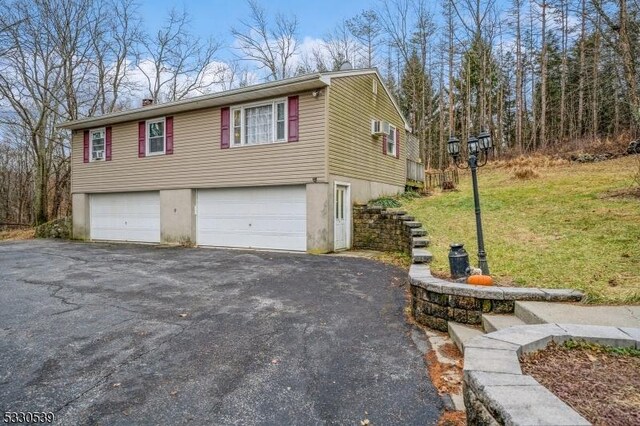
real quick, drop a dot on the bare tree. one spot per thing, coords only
(177, 64)
(270, 43)
(342, 47)
(31, 78)
(625, 46)
(366, 29)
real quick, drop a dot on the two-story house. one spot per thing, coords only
(275, 165)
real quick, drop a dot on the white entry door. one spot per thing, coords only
(341, 219)
(133, 216)
(268, 217)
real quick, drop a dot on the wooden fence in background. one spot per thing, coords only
(434, 178)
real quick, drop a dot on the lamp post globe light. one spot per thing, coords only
(476, 147)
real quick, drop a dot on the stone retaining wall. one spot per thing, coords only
(435, 301)
(376, 228)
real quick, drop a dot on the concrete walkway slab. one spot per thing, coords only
(564, 313)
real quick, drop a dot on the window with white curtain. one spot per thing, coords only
(258, 124)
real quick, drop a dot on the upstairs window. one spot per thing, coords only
(97, 144)
(156, 137)
(259, 123)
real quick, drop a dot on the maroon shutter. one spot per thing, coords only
(107, 144)
(225, 128)
(397, 143)
(384, 144)
(293, 119)
(86, 146)
(169, 147)
(142, 148)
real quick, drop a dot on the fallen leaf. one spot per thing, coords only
(364, 422)
(116, 385)
(591, 357)
(182, 315)
(275, 361)
(173, 392)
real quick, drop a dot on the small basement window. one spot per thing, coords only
(156, 137)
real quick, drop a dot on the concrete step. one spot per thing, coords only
(462, 333)
(418, 232)
(419, 255)
(420, 242)
(412, 224)
(527, 313)
(572, 313)
(493, 322)
(407, 217)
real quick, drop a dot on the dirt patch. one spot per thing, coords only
(16, 234)
(453, 418)
(447, 378)
(631, 193)
(602, 384)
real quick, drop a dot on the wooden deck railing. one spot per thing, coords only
(415, 171)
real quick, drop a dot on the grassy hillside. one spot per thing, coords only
(572, 226)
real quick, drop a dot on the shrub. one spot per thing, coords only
(385, 202)
(58, 228)
(448, 185)
(525, 173)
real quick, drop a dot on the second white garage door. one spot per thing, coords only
(268, 217)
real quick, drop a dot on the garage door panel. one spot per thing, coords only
(270, 217)
(126, 217)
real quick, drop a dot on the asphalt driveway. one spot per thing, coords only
(125, 334)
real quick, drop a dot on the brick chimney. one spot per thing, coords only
(147, 102)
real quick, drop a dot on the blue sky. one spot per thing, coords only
(216, 17)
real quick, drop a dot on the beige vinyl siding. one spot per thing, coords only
(197, 160)
(353, 152)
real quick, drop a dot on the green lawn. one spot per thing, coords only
(555, 231)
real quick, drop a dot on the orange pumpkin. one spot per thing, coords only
(480, 280)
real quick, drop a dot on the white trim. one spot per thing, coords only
(147, 133)
(274, 123)
(347, 213)
(104, 143)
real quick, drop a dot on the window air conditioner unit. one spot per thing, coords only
(98, 155)
(385, 127)
(376, 127)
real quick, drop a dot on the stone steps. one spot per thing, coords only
(406, 217)
(412, 224)
(420, 255)
(420, 242)
(418, 232)
(493, 322)
(462, 333)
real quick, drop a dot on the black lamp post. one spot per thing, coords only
(476, 147)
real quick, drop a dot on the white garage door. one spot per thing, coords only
(131, 216)
(270, 217)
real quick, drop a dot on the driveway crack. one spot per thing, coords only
(56, 289)
(105, 377)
